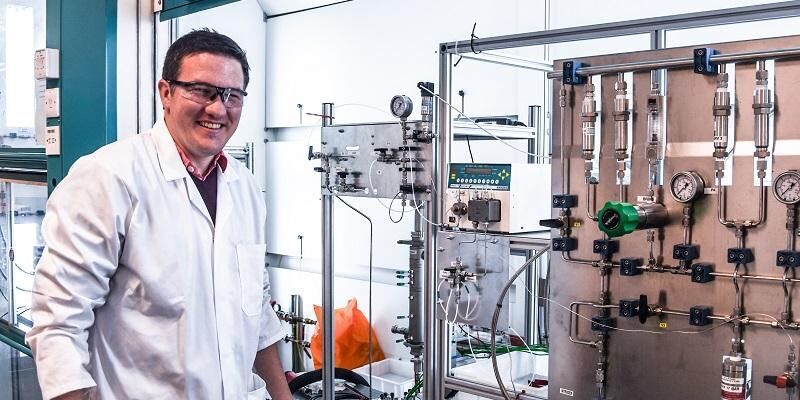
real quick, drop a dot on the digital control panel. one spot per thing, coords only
(480, 176)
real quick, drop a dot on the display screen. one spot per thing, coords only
(478, 171)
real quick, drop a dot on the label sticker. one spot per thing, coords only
(566, 392)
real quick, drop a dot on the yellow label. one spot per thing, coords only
(662, 325)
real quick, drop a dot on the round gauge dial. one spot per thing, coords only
(686, 186)
(787, 187)
(401, 106)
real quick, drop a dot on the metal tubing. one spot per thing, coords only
(416, 295)
(591, 205)
(564, 160)
(298, 331)
(566, 257)
(327, 296)
(496, 316)
(327, 279)
(754, 277)
(681, 62)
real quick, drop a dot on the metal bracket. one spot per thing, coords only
(702, 61)
(570, 73)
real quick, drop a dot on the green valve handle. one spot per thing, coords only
(617, 218)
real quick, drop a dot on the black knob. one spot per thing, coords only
(343, 174)
(643, 308)
(551, 223)
(381, 149)
(319, 169)
(310, 152)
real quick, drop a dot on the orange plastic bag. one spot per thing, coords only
(351, 332)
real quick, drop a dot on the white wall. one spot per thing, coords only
(367, 51)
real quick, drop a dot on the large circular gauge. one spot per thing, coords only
(686, 186)
(787, 187)
(401, 106)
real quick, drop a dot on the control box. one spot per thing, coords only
(498, 198)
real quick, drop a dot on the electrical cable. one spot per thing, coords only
(31, 273)
(390, 210)
(469, 147)
(369, 317)
(503, 141)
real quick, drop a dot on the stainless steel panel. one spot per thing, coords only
(665, 365)
(484, 255)
(353, 149)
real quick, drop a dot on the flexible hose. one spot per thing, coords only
(496, 316)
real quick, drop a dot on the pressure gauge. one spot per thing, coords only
(787, 187)
(686, 186)
(401, 106)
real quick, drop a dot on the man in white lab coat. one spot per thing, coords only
(152, 284)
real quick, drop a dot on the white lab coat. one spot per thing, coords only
(138, 292)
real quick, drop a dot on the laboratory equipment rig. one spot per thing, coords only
(673, 215)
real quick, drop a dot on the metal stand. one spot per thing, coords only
(327, 279)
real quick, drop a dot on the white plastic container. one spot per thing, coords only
(523, 367)
(390, 376)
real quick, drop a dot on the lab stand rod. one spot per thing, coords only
(434, 344)
(298, 331)
(327, 279)
(682, 62)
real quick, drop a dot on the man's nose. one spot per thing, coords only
(216, 108)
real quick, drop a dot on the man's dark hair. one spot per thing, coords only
(203, 40)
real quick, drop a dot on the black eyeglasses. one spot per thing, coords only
(205, 94)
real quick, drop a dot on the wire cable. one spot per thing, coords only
(369, 317)
(480, 127)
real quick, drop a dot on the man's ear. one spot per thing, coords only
(164, 93)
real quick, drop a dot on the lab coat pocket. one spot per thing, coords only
(257, 389)
(251, 259)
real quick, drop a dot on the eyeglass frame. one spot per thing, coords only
(223, 93)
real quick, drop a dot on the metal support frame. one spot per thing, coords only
(327, 279)
(647, 25)
(657, 28)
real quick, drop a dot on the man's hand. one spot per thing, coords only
(81, 394)
(268, 367)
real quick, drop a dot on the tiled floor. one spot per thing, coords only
(17, 376)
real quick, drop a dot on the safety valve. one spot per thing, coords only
(617, 218)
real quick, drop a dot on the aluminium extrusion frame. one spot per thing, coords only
(435, 376)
